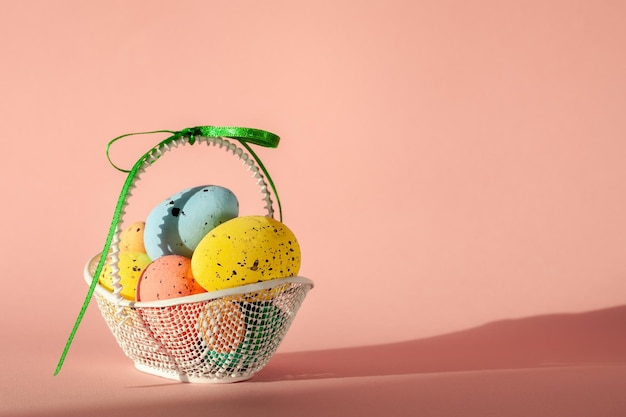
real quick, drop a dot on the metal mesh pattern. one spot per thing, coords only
(221, 340)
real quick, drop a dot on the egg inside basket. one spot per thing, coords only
(218, 336)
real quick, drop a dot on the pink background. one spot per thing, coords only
(454, 172)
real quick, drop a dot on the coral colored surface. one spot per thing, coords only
(454, 172)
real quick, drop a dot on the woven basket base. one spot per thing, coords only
(187, 378)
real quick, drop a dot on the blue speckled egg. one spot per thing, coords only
(176, 225)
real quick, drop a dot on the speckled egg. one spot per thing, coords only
(131, 238)
(167, 277)
(245, 250)
(223, 329)
(176, 225)
(222, 326)
(130, 265)
(262, 323)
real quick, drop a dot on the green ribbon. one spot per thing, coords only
(244, 135)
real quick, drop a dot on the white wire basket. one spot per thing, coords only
(213, 337)
(221, 336)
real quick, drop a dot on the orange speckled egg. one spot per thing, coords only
(222, 326)
(167, 277)
(131, 238)
(131, 265)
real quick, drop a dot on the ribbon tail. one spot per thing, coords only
(112, 141)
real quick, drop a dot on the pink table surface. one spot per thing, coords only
(553, 365)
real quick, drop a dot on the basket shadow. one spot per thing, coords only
(596, 337)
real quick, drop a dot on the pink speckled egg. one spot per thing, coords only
(167, 277)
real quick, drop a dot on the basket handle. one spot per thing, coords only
(243, 135)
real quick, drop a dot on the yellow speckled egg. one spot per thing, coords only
(131, 238)
(131, 265)
(245, 250)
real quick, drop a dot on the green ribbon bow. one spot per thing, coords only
(244, 135)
